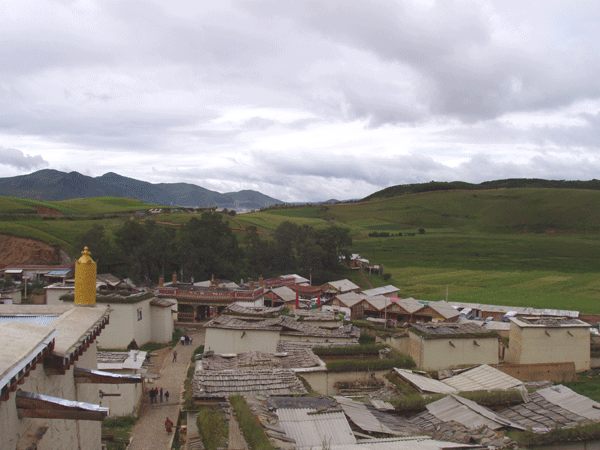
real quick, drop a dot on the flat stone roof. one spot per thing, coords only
(21, 343)
(548, 322)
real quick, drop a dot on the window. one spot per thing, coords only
(139, 314)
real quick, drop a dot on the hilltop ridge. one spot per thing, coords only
(54, 185)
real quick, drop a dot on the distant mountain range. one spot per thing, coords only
(54, 185)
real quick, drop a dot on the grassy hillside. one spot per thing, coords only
(489, 211)
(529, 246)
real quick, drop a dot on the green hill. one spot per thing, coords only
(487, 211)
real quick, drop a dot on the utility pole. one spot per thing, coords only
(446, 293)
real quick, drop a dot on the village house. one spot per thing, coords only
(137, 315)
(48, 379)
(200, 301)
(41, 272)
(344, 286)
(386, 291)
(547, 340)
(282, 295)
(351, 304)
(237, 334)
(448, 345)
(122, 399)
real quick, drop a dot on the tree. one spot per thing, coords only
(100, 246)
(206, 247)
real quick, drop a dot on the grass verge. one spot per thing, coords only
(250, 425)
(212, 428)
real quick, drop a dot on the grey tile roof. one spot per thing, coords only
(286, 325)
(566, 398)
(256, 311)
(539, 413)
(162, 302)
(315, 315)
(444, 329)
(463, 411)
(297, 359)
(290, 346)
(225, 383)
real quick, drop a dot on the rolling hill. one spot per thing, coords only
(53, 185)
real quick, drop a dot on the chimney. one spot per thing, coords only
(161, 281)
(261, 281)
(252, 285)
(174, 277)
(85, 280)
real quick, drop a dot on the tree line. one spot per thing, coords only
(206, 246)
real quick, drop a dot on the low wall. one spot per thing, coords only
(556, 372)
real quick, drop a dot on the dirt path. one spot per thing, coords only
(365, 277)
(149, 432)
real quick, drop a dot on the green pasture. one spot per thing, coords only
(493, 211)
(98, 205)
(59, 231)
(103, 205)
(271, 221)
(542, 271)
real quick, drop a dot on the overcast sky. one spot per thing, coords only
(301, 100)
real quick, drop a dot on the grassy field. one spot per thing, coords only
(533, 247)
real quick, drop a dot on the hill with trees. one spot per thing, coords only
(53, 185)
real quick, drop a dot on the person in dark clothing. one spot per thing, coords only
(161, 395)
(167, 396)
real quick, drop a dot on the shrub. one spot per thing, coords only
(366, 339)
(415, 403)
(349, 350)
(250, 425)
(401, 361)
(199, 350)
(212, 428)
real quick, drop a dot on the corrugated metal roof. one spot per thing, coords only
(425, 384)
(344, 285)
(310, 429)
(409, 443)
(468, 413)
(539, 414)
(578, 404)
(362, 417)
(350, 298)
(482, 378)
(381, 290)
(368, 418)
(58, 273)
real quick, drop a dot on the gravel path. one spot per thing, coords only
(149, 432)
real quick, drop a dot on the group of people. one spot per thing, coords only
(186, 340)
(156, 394)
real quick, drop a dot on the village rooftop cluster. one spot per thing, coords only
(322, 366)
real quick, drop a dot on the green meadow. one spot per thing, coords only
(532, 247)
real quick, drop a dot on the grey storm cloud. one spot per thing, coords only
(309, 99)
(19, 160)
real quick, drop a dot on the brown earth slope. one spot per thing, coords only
(16, 250)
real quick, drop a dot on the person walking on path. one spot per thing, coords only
(146, 433)
(167, 396)
(174, 355)
(161, 395)
(169, 425)
(182, 340)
